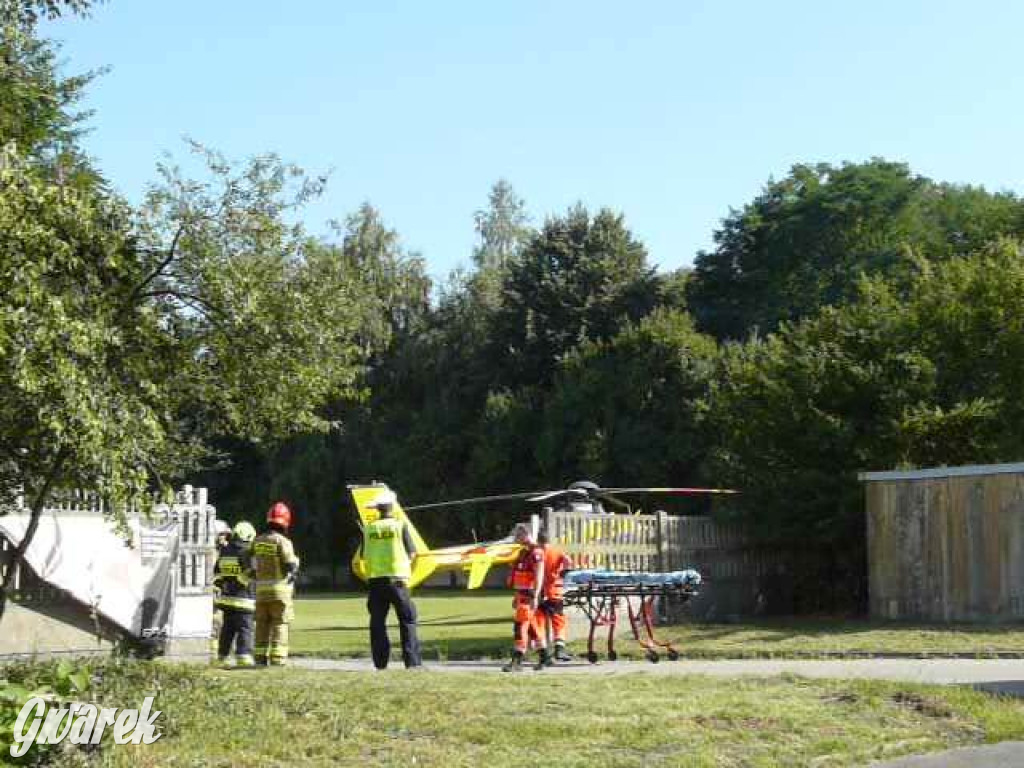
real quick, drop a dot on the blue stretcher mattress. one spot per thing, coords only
(685, 578)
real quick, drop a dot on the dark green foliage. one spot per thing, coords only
(30, 11)
(581, 278)
(52, 682)
(801, 411)
(927, 377)
(630, 410)
(37, 105)
(803, 243)
(863, 317)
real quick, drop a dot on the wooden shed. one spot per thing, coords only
(946, 544)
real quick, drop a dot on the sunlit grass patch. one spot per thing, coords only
(298, 717)
(471, 625)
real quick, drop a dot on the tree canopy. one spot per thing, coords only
(132, 339)
(805, 240)
(850, 317)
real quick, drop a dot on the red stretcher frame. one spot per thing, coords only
(602, 605)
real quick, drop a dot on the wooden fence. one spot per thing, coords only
(738, 573)
(946, 544)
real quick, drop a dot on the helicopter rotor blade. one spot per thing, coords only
(581, 493)
(672, 491)
(611, 500)
(477, 500)
(545, 495)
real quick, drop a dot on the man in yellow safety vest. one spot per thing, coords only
(388, 550)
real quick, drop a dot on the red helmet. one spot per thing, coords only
(280, 514)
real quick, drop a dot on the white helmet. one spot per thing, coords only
(383, 499)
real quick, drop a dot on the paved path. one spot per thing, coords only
(1009, 754)
(996, 675)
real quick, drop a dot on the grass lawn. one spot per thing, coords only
(465, 625)
(784, 638)
(453, 625)
(278, 717)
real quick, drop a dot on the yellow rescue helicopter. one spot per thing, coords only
(476, 559)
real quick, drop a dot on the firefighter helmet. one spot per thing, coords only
(221, 532)
(244, 531)
(280, 514)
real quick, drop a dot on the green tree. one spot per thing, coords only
(800, 411)
(311, 470)
(83, 367)
(37, 104)
(804, 241)
(630, 411)
(272, 321)
(395, 278)
(431, 387)
(128, 344)
(926, 373)
(967, 316)
(429, 396)
(580, 278)
(503, 229)
(30, 11)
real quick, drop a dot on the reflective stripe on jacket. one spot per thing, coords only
(384, 550)
(230, 576)
(524, 570)
(246, 604)
(273, 558)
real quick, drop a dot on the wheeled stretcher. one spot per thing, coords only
(601, 596)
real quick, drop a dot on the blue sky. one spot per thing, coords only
(670, 112)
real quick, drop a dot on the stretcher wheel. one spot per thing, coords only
(612, 655)
(592, 657)
(673, 655)
(652, 656)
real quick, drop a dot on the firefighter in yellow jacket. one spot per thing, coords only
(274, 565)
(234, 596)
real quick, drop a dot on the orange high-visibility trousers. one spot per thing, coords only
(526, 622)
(552, 612)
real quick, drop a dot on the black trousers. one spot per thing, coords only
(237, 624)
(385, 593)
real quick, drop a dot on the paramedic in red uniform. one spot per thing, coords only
(552, 607)
(527, 579)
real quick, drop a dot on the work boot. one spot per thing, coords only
(516, 663)
(545, 660)
(561, 654)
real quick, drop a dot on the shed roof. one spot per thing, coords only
(934, 472)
